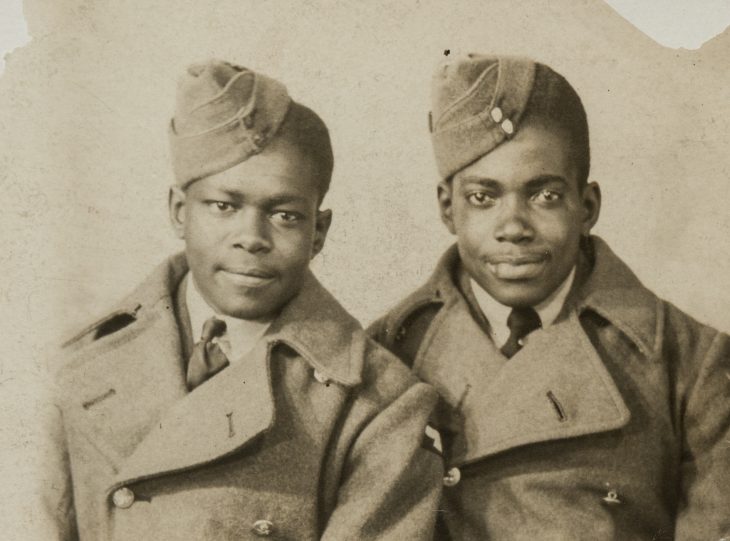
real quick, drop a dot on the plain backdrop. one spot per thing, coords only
(84, 164)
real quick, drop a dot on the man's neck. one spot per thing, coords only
(497, 313)
(241, 334)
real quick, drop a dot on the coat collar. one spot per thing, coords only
(614, 292)
(604, 285)
(313, 323)
(126, 393)
(556, 387)
(319, 329)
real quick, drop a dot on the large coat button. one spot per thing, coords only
(123, 498)
(612, 498)
(263, 528)
(452, 477)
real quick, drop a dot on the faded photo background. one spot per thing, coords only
(84, 165)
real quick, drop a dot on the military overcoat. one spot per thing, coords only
(613, 423)
(317, 433)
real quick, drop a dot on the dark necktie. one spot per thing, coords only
(521, 322)
(207, 358)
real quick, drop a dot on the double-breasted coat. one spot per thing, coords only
(317, 433)
(612, 423)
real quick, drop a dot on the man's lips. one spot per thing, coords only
(248, 277)
(517, 266)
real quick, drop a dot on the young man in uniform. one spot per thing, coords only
(230, 396)
(575, 403)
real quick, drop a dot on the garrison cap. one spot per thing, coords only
(224, 114)
(477, 103)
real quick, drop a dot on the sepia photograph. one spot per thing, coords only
(381, 270)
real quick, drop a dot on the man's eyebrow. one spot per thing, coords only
(542, 180)
(484, 181)
(284, 199)
(279, 199)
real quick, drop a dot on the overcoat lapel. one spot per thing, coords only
(555, 387)
(214, 420)
(128, 393)
(121, 386)
(131, 403)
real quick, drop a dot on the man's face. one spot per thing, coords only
(251, 231)
(518, 214)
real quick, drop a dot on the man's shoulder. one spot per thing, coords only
(124, 316)
(385, 327)
(616, 293)
(403, 326)
(385, 377)
(687, 334)
(111, 321)
(383, 370)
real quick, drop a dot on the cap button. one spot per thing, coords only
(263, 528)
(452, 477)
(320, 377)
(496, 114)
(123, 498)
(508, 127)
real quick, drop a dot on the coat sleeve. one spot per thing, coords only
(56, 517)
(392, 478)
(704, 510)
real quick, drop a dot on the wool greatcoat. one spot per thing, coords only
(612, 423)
(317, 433)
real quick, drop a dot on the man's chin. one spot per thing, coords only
(517, 293)
(263, 309)
(251, 314)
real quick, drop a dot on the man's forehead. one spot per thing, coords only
(269, 186)
(535, 152)
(535, 181)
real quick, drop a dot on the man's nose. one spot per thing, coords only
(513, 222)
(252, 232)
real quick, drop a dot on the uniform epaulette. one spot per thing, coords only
(105, 326)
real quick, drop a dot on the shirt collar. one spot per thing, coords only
(497, 313)
(610, 289)
(313, 323)
(241, 334)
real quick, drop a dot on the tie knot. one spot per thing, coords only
(213, 328)
(522, 321)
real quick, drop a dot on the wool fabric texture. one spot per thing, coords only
(225, 114)
(477, 103)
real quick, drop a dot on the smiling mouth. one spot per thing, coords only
(250, 278)
(517, 267)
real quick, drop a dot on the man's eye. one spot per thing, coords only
(479, 199)
(548, 196)
(286, 217)
(220, 206)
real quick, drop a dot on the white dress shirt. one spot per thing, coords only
(241, 334)
(497, 313)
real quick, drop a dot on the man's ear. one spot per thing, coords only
(176, 206)
(445, 198)
(591, 205)
(321, 227)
